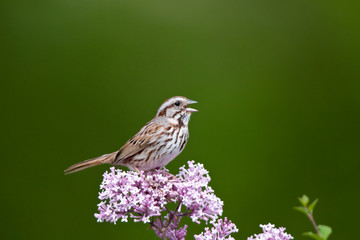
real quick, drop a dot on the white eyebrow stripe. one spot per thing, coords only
(170, 102)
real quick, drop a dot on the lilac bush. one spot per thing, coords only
(161, 199)
(271, 233)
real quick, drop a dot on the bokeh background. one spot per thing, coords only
(278, 89)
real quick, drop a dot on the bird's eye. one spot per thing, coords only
(177, 103)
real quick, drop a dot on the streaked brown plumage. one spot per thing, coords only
(155, 145)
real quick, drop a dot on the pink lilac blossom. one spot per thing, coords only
(221, 230)
(146, 198)
(271, 233)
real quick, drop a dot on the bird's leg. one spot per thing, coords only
(136, 169)
(171, 177)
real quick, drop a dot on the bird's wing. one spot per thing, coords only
(148, 135)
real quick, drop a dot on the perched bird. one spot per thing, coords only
(156, 144)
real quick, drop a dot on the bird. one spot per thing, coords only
(156, 144)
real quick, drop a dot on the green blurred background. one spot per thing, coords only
(278, 89)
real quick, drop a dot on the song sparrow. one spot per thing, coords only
(156, 144)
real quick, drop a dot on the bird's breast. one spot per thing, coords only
(166, 150)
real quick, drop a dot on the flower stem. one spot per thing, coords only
(163, 231)
(312, 220)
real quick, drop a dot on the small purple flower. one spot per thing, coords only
(271, 233)
(146, 197)
(221, 230)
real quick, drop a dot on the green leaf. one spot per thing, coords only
(312, 205)
(301, 209)
(325, 231)
(313, 235)
(304, 200)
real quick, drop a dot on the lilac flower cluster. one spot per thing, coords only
(221, 230)
(271, 233)
(146, 197)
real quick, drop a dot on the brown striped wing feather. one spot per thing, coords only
(143, 139)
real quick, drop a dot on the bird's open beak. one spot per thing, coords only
(191, 109)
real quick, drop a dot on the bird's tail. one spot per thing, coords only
(106, 158)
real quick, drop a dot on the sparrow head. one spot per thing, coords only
(176, 108)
